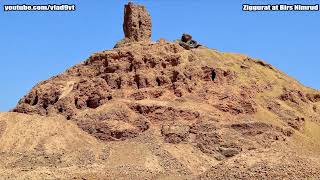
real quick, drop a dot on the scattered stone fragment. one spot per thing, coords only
(228, 152)
(187, 42)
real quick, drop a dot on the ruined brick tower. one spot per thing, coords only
(137, 23)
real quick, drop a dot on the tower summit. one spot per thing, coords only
(137, 23)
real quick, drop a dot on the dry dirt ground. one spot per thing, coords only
(158, 111)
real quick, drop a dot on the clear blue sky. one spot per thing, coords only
(37, 45)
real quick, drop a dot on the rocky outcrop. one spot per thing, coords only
(151, 71)
(137, 24)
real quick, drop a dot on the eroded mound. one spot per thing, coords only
(165, 111)
(160, 72)
(222, 105)
(165, 72)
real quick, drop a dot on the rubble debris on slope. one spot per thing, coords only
(262, 133)
(313, 97)
(260, 62)
(294, 96)
(224, 141)
(235, 105)
(156, 112)
(212, 139)
(115, 123)
(289, 116)
(264, 168)
(175, 132)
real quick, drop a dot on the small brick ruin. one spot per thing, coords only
(137, 23)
